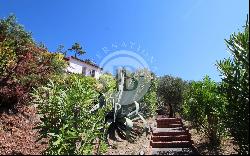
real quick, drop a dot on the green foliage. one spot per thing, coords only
(13, 38)
(12, 31)
(77, 48)
(61, 50)
(149, 101)
(235, 85)
(64, 108)
(205, 107)
(23, 64)
(107, 87)
(170, 91)
(108, 82)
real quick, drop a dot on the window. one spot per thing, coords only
(92, 73)
(84, 70)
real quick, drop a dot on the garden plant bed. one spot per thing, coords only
(201, 143)
(17, 136)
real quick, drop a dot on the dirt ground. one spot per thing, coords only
(123, 147)
(227, 146)
(17, 135)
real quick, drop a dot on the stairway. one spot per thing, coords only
(171, 137)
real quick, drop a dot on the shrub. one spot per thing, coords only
(106, 89)
(64, 108)
(235, 85)
(108, 83)
(149, 100)
(170, 91)
(205, 107)
(23, 64)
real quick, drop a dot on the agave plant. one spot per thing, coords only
(125, 108)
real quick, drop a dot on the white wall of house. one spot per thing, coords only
(76, 66)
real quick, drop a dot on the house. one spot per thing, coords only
(84, 67)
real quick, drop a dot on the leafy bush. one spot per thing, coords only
(106, 88)
(64, 108)
(149, 100)
(23, 64)
(235, 86)
(108, 83)
(170, 91)
(205, 107)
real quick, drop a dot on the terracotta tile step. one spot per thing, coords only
(173, 144)
(171, 138)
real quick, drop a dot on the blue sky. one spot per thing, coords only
(184, 37)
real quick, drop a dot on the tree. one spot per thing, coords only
(24, 65)
(170, 90)
(77, 48)
(235, 86)
(60, 50)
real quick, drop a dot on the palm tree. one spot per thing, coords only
(77, 48)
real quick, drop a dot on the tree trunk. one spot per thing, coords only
(171, 112)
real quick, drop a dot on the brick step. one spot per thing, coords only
(173, 144)
(167, 123)
(176, 129)
(171, 138)
(174, 133)
(172, 151)
(168, 120)
(163, 125)
(184, 128)
(162, 116)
